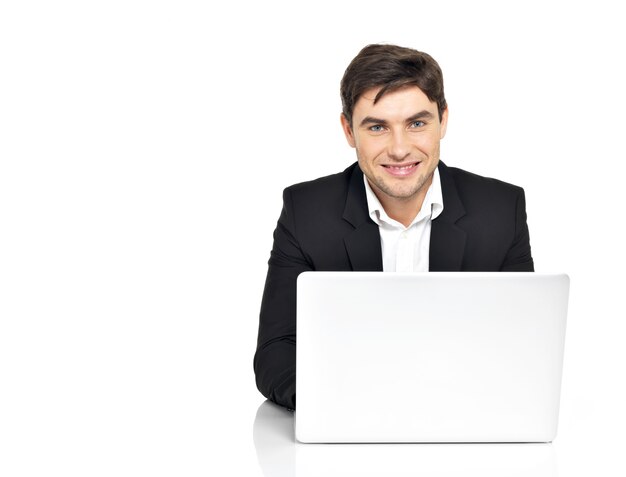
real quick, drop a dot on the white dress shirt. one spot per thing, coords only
(406, 249)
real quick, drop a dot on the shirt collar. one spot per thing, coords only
(432, 206)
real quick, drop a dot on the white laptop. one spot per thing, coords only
(429, 357)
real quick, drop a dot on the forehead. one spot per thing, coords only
(402, 103)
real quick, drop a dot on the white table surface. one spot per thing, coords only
(152, 417)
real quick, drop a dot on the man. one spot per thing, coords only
(398, 209)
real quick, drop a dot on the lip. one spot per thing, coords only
(401, 170)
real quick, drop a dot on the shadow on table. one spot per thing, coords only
(280, 455)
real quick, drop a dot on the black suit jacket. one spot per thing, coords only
(325, 225)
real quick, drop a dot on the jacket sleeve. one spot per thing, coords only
(519, 258)
(275, 357)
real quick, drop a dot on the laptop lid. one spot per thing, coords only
(429, 357)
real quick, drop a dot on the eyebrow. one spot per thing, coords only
(421, 115)
(417, 116)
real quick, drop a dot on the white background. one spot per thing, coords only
(144, 147)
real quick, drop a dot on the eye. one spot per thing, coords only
(376, 128)
(417, 124)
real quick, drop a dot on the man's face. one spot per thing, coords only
(397, 142)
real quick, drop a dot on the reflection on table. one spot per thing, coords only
(280, 455)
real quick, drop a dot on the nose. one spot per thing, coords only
(399, 146)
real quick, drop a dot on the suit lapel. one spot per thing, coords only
(447, 240)
(362, 243)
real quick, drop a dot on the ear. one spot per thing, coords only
(444, 123)
(347, 130)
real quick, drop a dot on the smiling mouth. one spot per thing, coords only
(401, 169)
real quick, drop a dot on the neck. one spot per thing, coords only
(403, 213)
(404, 209)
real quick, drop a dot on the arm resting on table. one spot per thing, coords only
(275, 358)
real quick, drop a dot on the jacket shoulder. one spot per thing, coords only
(327, 190)
(333, 181)
(470, 183)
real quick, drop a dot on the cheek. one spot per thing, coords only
(427, 143)
(370, 147)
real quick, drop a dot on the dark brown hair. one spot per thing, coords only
(392, 68)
